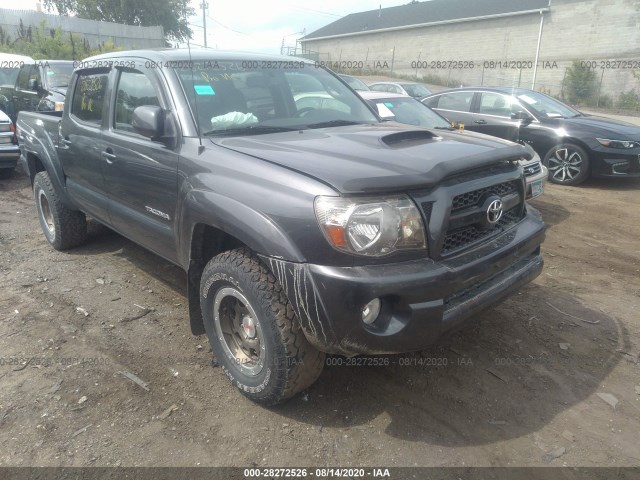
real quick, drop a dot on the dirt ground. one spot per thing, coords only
(550, 377)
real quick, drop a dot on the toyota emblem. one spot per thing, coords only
(494, 212)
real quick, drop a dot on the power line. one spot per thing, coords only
(317, 11)
(224, 26)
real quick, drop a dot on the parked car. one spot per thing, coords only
(302, 230)
(40, 86)
(9, 150)
(354, 82)
(413, 89)
(9, 68)
(572, 145)
(404, 109)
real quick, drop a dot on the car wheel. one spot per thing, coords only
(253, 330)
(568, 164)
(63, 228)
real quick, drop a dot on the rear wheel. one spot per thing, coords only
(253, 331)
(63, 228)
(568, 164)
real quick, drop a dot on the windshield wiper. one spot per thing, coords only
(252, 130)
(333, 123)
(443, 128)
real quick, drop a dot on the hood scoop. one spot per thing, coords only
(409, 138)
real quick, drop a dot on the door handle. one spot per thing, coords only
(480, 122)
(109, 156)
(64, 144)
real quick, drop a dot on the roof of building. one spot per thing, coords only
(426, 13)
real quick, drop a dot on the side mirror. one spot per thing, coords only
(33, 85)
(148, 121)
(521, 115)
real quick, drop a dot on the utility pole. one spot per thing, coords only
(204, 5)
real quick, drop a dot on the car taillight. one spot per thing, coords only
(15, 137)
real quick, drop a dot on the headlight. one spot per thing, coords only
(372, 226)
(617, 143)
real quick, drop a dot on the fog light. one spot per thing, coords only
(371, 311)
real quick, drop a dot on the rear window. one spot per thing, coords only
(89, 96)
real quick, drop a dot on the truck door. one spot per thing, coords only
(81, 143)
(141, 174)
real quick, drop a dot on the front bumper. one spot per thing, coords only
(607, 162)
(421, 299)
(541, 176)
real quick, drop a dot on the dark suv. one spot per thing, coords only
(572, 145)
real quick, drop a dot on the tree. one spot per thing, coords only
(172, 15)
(580, 83)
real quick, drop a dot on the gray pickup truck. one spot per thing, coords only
(306, 224)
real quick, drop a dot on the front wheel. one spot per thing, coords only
(568, 164)
(253, 331)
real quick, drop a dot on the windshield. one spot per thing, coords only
(355, 83)
(58, 74)
(252, 97)
(8, 76)
(416, 90)
(546, 106)
(411, 111)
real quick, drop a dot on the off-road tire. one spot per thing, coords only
(62, 227)
(291, 364)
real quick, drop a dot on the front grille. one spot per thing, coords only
(472, 234)
(531, 170)
(471, 199)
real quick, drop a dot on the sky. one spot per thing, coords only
(258, 25)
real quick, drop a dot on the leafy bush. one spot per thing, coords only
(580, 84)
(629, 100)
(42, 42)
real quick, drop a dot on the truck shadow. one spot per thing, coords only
(552, 213)
(502, 378)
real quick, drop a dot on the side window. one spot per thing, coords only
(458, 101)
(88, 96)
(432, 102)
(135, 89)
(23, 77)
(495, 104)
(395, 89)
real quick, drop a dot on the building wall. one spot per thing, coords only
(96, 32)
(597, 30)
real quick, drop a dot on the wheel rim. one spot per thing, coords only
(565, 164)
(45, 212)
(239, 331)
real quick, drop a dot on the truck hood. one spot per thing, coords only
(378, 157)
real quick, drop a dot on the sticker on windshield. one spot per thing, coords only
(204, 90)
(384, 111)
(388, 104)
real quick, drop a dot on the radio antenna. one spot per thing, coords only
(195, 100)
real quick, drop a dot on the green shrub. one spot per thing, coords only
(580, 86)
